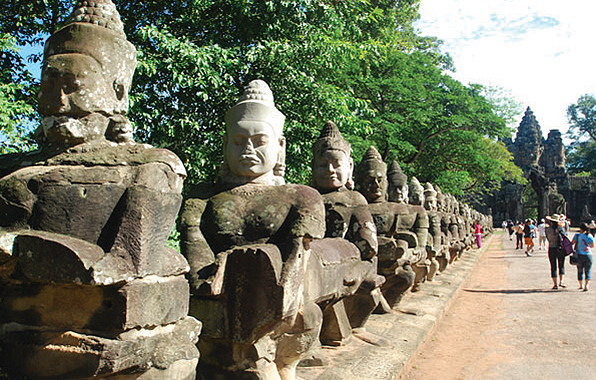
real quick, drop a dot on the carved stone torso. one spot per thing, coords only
(385, 215)
(77, 193)
(255, 213)
(339, 207)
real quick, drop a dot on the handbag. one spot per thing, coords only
(573, 258)
(567, 247)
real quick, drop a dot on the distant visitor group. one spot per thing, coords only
(552, 234)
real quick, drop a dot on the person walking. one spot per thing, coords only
(540, 228)
(478, 233)
(529, 237)
(556, 258)
(510, 228)
(583, 242)
(519, 235)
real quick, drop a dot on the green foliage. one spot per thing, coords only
(530, 201)
(581, 153)
(14, 109)
(581, 158)
(359, 63)
(582, 118)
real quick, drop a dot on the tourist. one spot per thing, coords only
(529, 236)
(554, 228)
(541, 235)
(478, 232)
(583, 243)
(510, 229)
(519, 235)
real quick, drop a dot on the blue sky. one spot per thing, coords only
(542, 51)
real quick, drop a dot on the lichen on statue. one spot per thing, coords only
(433, 246)
(411, 220)
(247, 239)
(89, 213)
(88, 163)
(395, 247)
(417, 222)
(347, 217)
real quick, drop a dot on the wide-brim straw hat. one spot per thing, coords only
(560, 219)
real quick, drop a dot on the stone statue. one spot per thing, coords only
(86, 219)
(414, 219)
(395, 247)
(433, 243)
(260, 269)
(446, 237)
(556, 201)
(348, 216)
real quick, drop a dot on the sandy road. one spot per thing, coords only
(507, 323)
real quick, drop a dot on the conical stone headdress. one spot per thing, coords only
(94, 29)
(256, 105)
(371, 160)
(330, 139)
(429, 191)
(396, 177)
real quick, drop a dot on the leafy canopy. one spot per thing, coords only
(581, 154)
(359, 63)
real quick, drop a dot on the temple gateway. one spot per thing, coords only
(543, 162)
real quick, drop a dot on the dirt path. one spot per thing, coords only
(464, 336)
(506, 323)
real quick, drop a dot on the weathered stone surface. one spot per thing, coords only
(336, 329)
(56, 258)
(402, 229)
(59, 355)
(88, 287)
(248, 240)
(106, 310)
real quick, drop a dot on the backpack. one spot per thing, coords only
(566, 246)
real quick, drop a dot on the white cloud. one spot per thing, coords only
(542, 51)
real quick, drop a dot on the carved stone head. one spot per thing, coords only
(430, 197)
(416, 192)
(398, 184)
(332, 163)
(86, 76)
(371, 176)
(254, 147)
(441, 202)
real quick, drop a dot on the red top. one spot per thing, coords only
(478, 229)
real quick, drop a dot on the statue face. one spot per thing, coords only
(430, 204)
(75, 99)
(252, 149)
(332, 169)
(374, 185)
(399, 194)
(416, 198)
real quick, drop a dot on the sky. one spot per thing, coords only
(543, 52)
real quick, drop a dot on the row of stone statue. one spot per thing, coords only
(89, 287)
(278, 268)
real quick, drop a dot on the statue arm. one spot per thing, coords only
(306, 222)
(16, 201)
(363, 232)
(194, 246)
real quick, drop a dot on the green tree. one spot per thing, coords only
(437, 128)
(24, 25)
(14, 110)
(581, 153)
(357, 62)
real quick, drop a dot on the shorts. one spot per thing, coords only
(529, 241)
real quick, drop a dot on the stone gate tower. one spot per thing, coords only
(544, 166)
